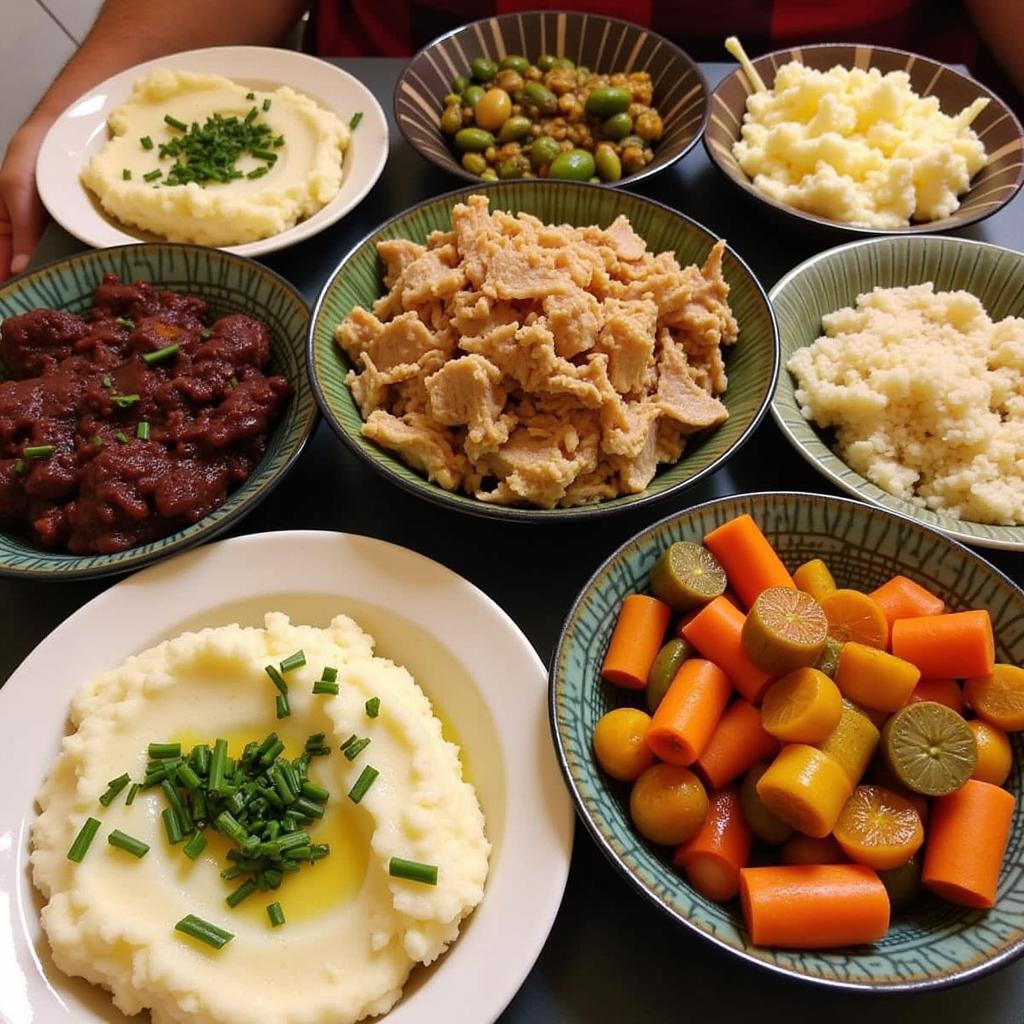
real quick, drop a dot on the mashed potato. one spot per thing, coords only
(352, 932)
(858, 146)
(926, 395)
(304, 177)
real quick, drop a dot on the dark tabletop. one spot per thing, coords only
(610, 956)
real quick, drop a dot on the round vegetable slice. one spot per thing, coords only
(879, 828)
(995, 756)
(687, 575)
(999, 697)
(855, 616)
(619, 743)
(929, 748)
(804, 706)
(785, 629)
(903, 884)
(668, 804)
(664, 669)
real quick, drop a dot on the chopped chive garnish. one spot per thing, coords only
(202, 930)
(353, 751)
(123, 841)
(373, 707)
(273, 751)
(153, 175)
(323, 686)
(195, 846)
(130, 798)
(251, 116)
(412, 871)
(277, 679)
(315, 792)
(329, 674)
(250, 95)
(279, 142)
(264, 154)
(232, 382)
(172, 826)
(142, 431)
(283, 707)
(188, 777)
(205, 333)
(160, 750)
(266, 103)
(114, 787)
(307, 807)
(19, 465)
(123, 321)
(149, 358)
(38, 451)
(96, 441)
(106, 381)
(175, 123)
(121, 437)
(276, 915)
(366, 779)
(257, 172)
(356, 118)
(83, 840)
(126, 174)
(217, 765)
(348, 743)
(296, 660)
(246, 889)
(147, 142)
(124, 401)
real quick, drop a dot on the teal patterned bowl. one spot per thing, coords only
(752, 363)
(230, 284)
(933, 944)
(834, 279)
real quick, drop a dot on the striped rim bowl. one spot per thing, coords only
(752, 363)
(991, 188)
(930, 945)
(605, 45)
(833, 279)
(229, 284)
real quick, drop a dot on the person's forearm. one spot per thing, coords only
(128, 32)
(999, 23)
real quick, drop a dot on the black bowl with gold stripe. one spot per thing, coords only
(997, 127)
(605, 45)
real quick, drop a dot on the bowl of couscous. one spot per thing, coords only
(902, 379)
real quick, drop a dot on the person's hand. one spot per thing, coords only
(22, 217)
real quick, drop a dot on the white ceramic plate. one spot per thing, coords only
(468, 656)
(81, 131)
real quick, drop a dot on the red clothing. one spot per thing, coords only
(390, 29)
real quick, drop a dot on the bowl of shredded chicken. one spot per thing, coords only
(533, 365)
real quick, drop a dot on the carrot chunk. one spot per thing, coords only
(805, 788)
(875, 679)
(967, 838)
(748, 558)
(902, 598)
(813, 906)
(717, 632)
(737, 744)
(713, 858)
(814, 578)
(959, 644)
(636, 641)
(689, 712)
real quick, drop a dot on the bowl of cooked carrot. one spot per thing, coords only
(793, 722)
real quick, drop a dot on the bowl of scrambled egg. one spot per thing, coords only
(865, 139)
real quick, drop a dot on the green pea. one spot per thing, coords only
(546, 61)
(542, 97)
(606, 100)
(459, 84)
(513, 167)
(576, 164)
(514, 128)
(544, 150)
(565, 63)
(474, 163)
(515, 62)
(472, 95)
(473, 139)
(489, 175)
(609, 166)
(483, 68)
(451, 119)
(618, 126)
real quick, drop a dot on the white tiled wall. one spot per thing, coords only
(36, 39)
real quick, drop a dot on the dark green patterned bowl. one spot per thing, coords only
(834, 279)
(229, 284)
(752, 363)
(932, 945)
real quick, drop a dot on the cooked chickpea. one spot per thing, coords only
(648, 126)
(633, 159)
(509, 80)
(560, 80)
(619, 743)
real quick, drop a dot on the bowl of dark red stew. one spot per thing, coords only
(150, 396)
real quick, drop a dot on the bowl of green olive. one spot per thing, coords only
(552, 94)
